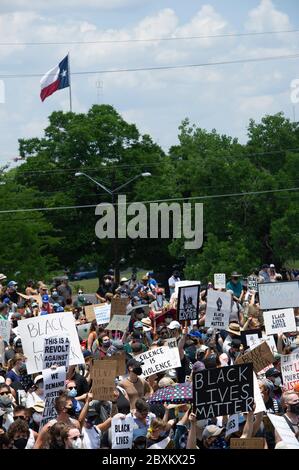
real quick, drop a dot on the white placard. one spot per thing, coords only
(122, 432)
(220, 281)
(253, 340)
(290, 370)
(284, 430)
(34, 330)
(279, 321)
(159, 359)
(232, 425)
(5, 330)
(218, 309)
(54, 381)
(56, 352)
(271, 343)
(102, 313)
(183, 284)
(274, 295)
(258, 399)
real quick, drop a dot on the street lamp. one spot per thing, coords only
(112, 194)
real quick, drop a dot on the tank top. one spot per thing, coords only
(31, 440)
(91, 438)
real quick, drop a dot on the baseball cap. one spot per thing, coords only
(134, 363)
(138, 324)
(87, 354)
(272, 265)
(117, 344)
(59, 309)
(173, 325)
(195, 334)
(12, 284)
(39, 406)
(2, 277)
(45, 299)
(38, 378)
(124, 279)
(272, 372)
(17, 341)
(211, 431)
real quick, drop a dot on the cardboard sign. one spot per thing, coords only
(223, 391)
(279, 321)
(183, 284)
(83, 330)
(159, 359)
(33, 331)
(121, 362)
(54, 381)
(252, 283)
(247, 443)
(232, 425)
(290, 370)
(188, 303)
(261, 356)
(103, 375)
(89, 312)
(275, 295)
(220, 281)
(56, 352)
(122, 432)
(36, 297)
(251, 338)
(118, 307)
(5, 330)
(218, 310)
(284, 430)
(119, 323)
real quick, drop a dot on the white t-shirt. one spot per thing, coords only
(91, 438)
(172, 280)
(31, 440)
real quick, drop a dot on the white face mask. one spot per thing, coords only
(277, 381)
(76, 444)
(37, 417)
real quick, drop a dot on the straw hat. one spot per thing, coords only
(234, 328)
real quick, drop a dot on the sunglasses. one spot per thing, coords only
(4, 393)
(20, 417)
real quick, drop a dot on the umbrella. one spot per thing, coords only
(179, 393)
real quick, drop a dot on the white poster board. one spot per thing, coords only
(122, 432)
(102, 313)
(34, 330)
(220, 281)
(284, 430)
(232, 424)
(290, 370)
(56, 352)
(183, 284)
(5, 330)
(54, 381)
(258, 399)
(218, 309)
(274, 295)
(159, 359)
(279, 321)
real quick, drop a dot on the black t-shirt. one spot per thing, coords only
(103, 289)
(184, 370)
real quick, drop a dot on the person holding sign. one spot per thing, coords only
(290, 401)
(134, 385)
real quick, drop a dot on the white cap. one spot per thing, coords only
(2, 380)
(174, 324)
(38, 378)
(272, 266)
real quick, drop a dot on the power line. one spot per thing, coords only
(162, 67)
(126, 41)
(152, 201)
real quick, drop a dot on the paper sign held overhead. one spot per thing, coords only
(218, 309)
(183, 284)
(247, 443)
(275, 295)
(5, 330)
(188, 303)
(290, 370)
(103, 375)
(261, 356)
(159, 359)
(279, 321)
(122, 432)
(118, 307)
(56, 351)
(220, 281)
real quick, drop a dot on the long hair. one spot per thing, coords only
(12, 362)
(57, 436)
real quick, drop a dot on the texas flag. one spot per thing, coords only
(56, 79)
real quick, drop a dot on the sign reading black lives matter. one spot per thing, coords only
(219, 306)
(223, 391)
(188, 302)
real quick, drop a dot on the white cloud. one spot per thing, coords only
(266, 17)
(68, 4)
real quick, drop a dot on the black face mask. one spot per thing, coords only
(295, 409)
(70, 411)
(137, 370)
(20, 443)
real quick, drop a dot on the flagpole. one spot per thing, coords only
(70, 87)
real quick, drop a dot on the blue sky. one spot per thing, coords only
(223, 97)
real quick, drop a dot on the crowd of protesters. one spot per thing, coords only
(85, 423)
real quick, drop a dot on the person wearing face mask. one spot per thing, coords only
(275, 377)
(20, 412)
(6, 406)
(134, 385)
(36, 393)
(81, 299)
(107, 285)
(158, 434)
(72, 393)
(18, 434)
(11, 292)
(101, 347)
(142, 418)
(36, 415)
(55, 298)
(15, 367)
(290, 402)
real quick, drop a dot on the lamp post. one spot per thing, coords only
(113, 193)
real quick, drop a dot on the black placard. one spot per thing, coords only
(188, 303)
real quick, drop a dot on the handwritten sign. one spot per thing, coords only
(103, 375)
(279, 321)
(102, 313)
(251, 338)
(218, 309)
(122, 432)
(118, 307)
(54, 381)
(120, 359)
(159, 359)
(119, 323)
(284, 431)
(188, 303)
(5, 330)
(274, 295)
(247, 443)
(261, 356)
(33, 332)
(220, 281)
(56, 351)
(290, 370)
(223, 391)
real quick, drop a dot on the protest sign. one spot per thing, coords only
(159, 359)
(274, 295)
(5, 330)
(37, 298)
(220, 281)
(119, 323)
(271, 343)
(121, 362)
(279, 321)
(188, 303)
(34, 330)
(89, 312)
(259, 402)
(183, 284)
(54, 381)
(103, 375)
(247, 443)
(290, 370)
(171, 343)
(283, 430)
(218, 309)
(252, 283)
(122, 432)
(232, 425)
(223, 391)
(83, 330)
(251, 338)
(102, 313)
(56, 351)
(261, 356)
(118, 307)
